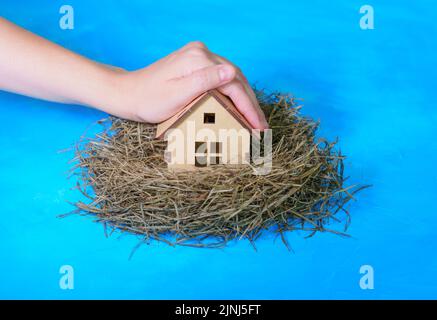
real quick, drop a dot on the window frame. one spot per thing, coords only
(208, 115)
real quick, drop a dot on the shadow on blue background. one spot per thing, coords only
(375, 89)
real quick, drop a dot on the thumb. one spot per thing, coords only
(205, 79)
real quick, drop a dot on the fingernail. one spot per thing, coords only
(225, 73)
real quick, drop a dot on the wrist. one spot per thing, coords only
(114, 94)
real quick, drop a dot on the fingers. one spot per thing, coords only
(236, 91)
(200, 68)
(260, 121)
(203, 80)
(240, 74)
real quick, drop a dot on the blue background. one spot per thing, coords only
(375, 89)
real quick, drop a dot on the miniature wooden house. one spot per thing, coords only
(208, 131)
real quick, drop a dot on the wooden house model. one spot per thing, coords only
(208, 131)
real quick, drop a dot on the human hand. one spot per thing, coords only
(155, 93)
(35, 67)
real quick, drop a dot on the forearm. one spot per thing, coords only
(33, 66)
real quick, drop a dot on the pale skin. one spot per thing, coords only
(35, 67)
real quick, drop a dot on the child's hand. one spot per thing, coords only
(156, 92)
(33, 66)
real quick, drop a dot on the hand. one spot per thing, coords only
(36, 67)
(158, 91)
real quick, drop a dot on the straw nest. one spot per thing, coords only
(123, 174)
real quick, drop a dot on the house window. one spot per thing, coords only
(216, 147)
(200, 161)
(204, 155)
(209, 118)
(200, 156)
(200, 148)
(215, 160)
(215, 155)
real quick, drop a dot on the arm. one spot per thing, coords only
(33, 66)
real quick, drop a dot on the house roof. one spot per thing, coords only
(180, 115)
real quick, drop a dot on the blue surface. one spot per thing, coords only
(375, 89)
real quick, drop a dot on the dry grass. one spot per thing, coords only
(122, 172)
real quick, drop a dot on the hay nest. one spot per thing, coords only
(123, 173)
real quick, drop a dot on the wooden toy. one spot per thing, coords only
(209, 130)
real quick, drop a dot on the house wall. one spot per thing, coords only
(234, 137)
